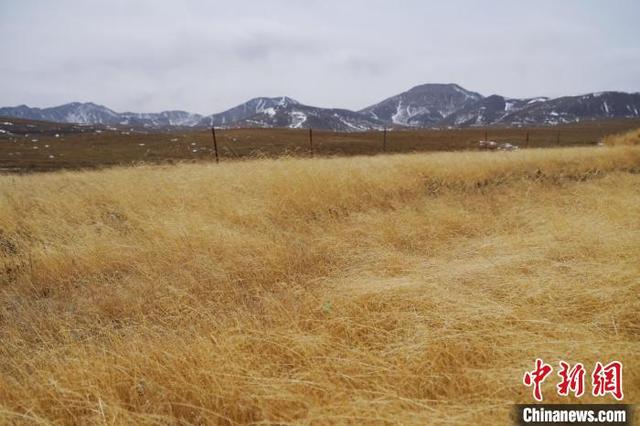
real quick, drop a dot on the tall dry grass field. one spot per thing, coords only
(412, 288)
(632, 137)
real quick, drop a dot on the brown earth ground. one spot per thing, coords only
(79, 147)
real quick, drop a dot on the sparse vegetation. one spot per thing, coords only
(80, 147)
(410, 288)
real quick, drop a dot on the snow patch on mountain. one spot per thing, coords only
(297, 119)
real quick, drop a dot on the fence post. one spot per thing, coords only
(215, 143)
(485, 136)
(311, 140)
(384, 140)
(527, 139)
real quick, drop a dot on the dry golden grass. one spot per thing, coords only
(413, 288)
(631, 137)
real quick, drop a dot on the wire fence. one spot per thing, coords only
(237, 143)
(53, 149)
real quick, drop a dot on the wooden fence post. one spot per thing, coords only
(384, 140)
(311, 140)
(215, 143)
(527, 139)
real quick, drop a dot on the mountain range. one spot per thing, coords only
(423, 106)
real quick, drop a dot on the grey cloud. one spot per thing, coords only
(208, 55)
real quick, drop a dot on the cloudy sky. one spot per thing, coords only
(206, 56)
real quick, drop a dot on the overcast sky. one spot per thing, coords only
(206, 56)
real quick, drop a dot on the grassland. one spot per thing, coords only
(631, 137)
(408, 288)
(33, 146)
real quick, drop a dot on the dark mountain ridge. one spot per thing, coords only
(423, 106)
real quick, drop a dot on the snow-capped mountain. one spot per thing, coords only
(543, 111)
(74, 112)
(427, 105)
(449, 105)
(422, 106)
(160, 119)
(569, 109)
(90, 113)
(246, 110)
(259, 112)
(298, 116)
(490, 110)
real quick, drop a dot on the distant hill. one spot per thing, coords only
(423, 106)
(542, 111)
(90, 113)
(297, 116)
